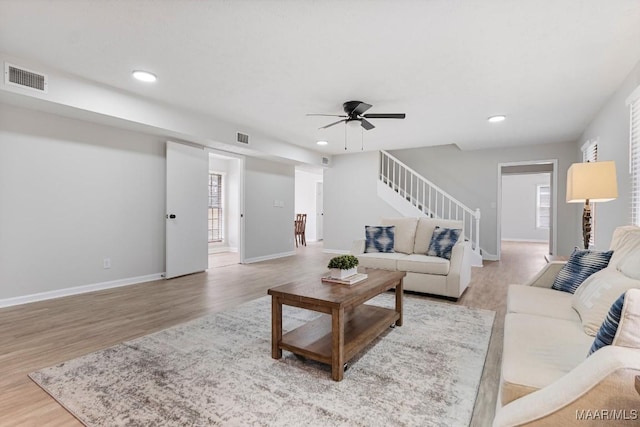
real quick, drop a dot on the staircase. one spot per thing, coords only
(413, 195)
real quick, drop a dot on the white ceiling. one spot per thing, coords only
(549, 65)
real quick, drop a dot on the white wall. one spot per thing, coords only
(351, 200)
(519, 204)
(71, 194)
(470, 176)
(268, 229)
(611, 128)
(305, 200)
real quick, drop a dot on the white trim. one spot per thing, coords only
(486, 256)
(635, 95)
(336, 251)
(509, 239)
(268, 257)
(554, 205)
(25, 299)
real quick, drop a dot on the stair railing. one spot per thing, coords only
(428, 198)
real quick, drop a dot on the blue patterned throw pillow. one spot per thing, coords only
(379, 238)
(609, 327)
(581, 264)
(442, 242)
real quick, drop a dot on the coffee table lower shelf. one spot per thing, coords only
(363, 324)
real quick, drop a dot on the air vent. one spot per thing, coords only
(242, 137)
(17, 76)
(325, 160)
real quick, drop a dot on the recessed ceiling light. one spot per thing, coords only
(496, 119)
(322, 142)
(144, 76)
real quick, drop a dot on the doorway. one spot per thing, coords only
(527, 201)
(308, 200)
(224, 210)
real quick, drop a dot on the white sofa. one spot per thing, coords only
(546, 377)
(425, 274)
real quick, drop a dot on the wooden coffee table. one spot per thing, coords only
(351, 326)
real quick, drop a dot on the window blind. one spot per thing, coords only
(634, 156)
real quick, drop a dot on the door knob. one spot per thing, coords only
(171, 216)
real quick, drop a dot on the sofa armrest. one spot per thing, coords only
(357, 247)
(545, 277)
(603, 382)
(459, 269)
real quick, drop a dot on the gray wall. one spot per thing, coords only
(470, 176)
(611, 128)
(268, 229)
(71, 194)
(351, 200)
(519, 206)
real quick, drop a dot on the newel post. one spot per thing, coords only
(477, 217)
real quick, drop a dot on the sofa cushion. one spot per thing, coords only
(424, 231)
(416, 263)
(594, 297)
(442, 241)
(609, 327)
(537, 351)
(379, 238)
(541, 301)
(628, 330)
(384, 261)
(625, 241)
(581, 264)
(405, 233)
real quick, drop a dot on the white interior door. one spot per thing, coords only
(186, 223)
(319, 210)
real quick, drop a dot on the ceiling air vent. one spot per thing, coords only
(242, 137)
(325, 161)
(17, 76)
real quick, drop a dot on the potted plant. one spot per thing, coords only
(343, 266)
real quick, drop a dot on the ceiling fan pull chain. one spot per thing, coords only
(345, 136)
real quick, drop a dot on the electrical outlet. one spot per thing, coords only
(106, 263)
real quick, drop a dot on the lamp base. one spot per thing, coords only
(586, 224)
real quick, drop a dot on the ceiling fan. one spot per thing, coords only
(354, 112)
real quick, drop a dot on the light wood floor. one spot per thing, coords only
(33, 336)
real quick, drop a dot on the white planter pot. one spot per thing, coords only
(337, 273)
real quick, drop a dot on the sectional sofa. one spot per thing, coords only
(548, 375)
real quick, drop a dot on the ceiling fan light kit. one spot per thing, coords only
(354, 112)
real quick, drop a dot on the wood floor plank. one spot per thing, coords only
(45, 333)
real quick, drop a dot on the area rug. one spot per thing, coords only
(218, 370)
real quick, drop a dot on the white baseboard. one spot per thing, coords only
(336, 251)
(269, 257)
(218, 249)
(8, 302)
(486, 256)
(526, 240)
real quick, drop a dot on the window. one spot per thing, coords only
(215, 208)
(590, 154)
(543, 206)
(634, 154)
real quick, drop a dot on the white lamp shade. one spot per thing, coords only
(595, 181)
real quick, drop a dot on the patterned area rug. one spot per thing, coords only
(218, 370)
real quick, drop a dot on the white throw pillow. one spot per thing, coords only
(596, 294)
(628, 333)
(405, 233)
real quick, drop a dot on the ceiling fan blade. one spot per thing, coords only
(385, 115)
(327, 115)
(361, 108)
(366, 124)
(332, 124)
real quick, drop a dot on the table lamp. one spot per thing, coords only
(591, 182)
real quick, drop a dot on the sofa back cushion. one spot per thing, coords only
(626, 247)
(405, 233)
(594, 297)
(622, 324)
(424, 232)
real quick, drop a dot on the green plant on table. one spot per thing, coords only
(343, 262)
